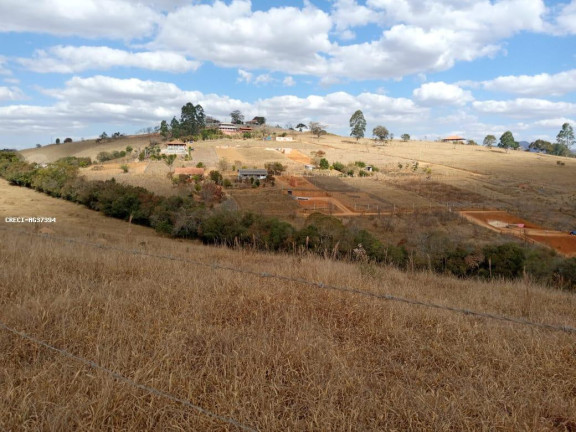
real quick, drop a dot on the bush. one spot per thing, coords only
(360, 164)
(81, 162)
(124, 168)
(324, 164)
(338, 166)
(505, 260)
(565, 274)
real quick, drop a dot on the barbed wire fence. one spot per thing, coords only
(320, 285)
(229, 420)
(122, 378)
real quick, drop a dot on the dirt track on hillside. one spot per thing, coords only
(562, 242)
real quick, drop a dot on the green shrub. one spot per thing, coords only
(506, 260)
(338, 166)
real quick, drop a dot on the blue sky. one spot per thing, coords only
(429, 68)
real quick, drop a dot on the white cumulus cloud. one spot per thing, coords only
(11, 94)
(543, 84)
(112, 19)
(525, 108)
(71, 59)
(440, 93)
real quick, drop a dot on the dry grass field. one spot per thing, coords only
(271, 354)
(86, 148)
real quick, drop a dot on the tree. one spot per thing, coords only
(541, 145)
(57, 140)
(301, 126)
(489, 141)
(381, 133)
(405, 137)
(260, 120)
(566, 136)
(324, 163)
(170, 161)
(175, 127)
(507, 141)
(237, 117)
(358, 125)
(104, 136)
(192, 119)
(559, 149)
(317, 129)
(164, 131)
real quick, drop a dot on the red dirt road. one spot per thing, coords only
(562, 242)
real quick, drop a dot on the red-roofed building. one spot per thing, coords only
(454, 139)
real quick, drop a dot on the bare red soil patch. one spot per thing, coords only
(506, 223)
(297, 156)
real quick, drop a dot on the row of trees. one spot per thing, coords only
(564, 140)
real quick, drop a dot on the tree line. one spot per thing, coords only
(564, 141)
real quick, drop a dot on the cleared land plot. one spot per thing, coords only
(298, 156)
(272, 354)
(441, 192)
(500, 221)
(152, 175)
(266, 201)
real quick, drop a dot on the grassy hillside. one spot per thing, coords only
(86, 148)
(272, 354)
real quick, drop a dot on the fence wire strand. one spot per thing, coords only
(126, 380)
(321, 285)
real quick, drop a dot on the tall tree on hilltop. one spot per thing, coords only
(164, 131)
(507, 141)
(175, 128)
(317, 129)
(358, 125)
(489, 141)
(192, 119)
(566, 136)
(237, 117)
(301, 126)
(381, 132)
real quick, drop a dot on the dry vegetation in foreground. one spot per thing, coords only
(274, 355)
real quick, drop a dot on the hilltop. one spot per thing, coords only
(272, 354)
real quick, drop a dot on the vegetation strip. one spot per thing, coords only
(123, 379)
(414, 302)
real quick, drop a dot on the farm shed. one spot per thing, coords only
(257, 174)
(454, 139)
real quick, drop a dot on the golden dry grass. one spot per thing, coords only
(272, 354)
(86, 148)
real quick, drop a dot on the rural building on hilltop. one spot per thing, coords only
(257, 174)
(228, 128)
(175, 147)
(454, 139)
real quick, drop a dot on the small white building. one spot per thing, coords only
(175, 147)
(257, 174)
